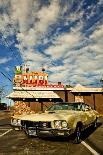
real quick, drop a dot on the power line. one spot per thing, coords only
(11, 81)
(19, 63)
(7, 44)
(13, 54)
(5, 76)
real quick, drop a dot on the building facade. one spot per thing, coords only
(33, 89)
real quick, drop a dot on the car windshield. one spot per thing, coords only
(69, 106)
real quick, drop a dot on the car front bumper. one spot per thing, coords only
(55, 132)
(48, 132)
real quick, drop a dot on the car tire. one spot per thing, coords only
(26, 131)
(78, 135)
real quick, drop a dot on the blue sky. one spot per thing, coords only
(66, 36)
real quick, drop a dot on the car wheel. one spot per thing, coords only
(26, 130)
(27, 133)
(77, 135)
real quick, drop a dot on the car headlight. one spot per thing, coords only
(16, 122)
(64, 124)
(60, 124)
(57, 124)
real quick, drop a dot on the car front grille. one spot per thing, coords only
(36, 124)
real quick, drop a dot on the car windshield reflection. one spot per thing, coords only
(69, 106)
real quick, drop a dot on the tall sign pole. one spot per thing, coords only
(101, 81)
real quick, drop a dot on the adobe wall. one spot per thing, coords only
(60, 93)
(68, 97)
(36, 106)
(98, 102)
(87, 99)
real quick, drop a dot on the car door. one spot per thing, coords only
(89, 115)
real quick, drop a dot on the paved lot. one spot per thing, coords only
(17, 143)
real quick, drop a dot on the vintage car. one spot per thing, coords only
(61, 119)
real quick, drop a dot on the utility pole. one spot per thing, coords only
(1, 93)
(0, 96)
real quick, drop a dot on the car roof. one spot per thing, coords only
(69, 103)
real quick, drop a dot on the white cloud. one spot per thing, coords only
(21, 14)
(7, 69)
(59, 77)
(4, 60)
(78, 64)
(48, 15)
(64, 43)
(100, 2)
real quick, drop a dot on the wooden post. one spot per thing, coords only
(28, 104)
(84, 98)
(42, 106)
(94, 101)
(66, 96)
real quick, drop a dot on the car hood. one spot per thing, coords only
(49, 116)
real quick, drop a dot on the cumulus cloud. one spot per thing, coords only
(69, 54)
(100, 2)
(97, 38)
(83, 65)
(4, 60)
(64, 43)
(48, 15)
(28, 20)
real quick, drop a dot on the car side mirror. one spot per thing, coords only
(86, 109)
(46, 111)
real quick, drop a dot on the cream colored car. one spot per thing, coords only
(61, 119)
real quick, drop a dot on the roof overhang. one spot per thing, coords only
(34, 95)
(40, 88)
(81, 89)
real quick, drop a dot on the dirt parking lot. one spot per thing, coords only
(17, 143)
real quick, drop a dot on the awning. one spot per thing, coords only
(33, 94)
(80, 88)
